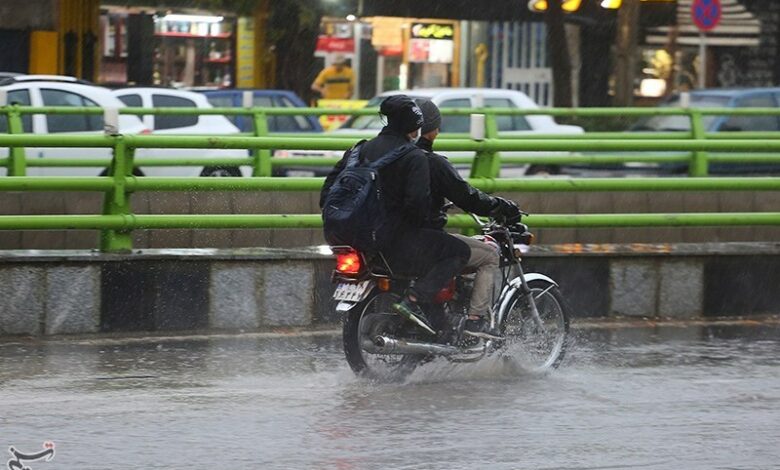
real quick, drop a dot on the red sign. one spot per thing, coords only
(332, 44)
(706, 13)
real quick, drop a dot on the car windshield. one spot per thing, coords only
(370, 121)
(681, 122)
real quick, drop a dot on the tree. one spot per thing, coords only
(558, 54)
(293, 28)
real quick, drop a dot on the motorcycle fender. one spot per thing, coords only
(514, 285)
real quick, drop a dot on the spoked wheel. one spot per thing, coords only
(537, 346)
(363, 323)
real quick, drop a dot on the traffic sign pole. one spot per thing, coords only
(706, 15)
(702, 59)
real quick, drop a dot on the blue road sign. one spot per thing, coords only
(706, 13)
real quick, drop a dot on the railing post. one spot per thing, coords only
(698, 165)
(17, 162)
(487, 163)
(117, 201)
(262, 157)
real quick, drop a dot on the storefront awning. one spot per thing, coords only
(737, 27)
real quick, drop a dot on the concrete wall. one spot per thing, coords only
(307, 203)
(66, 292)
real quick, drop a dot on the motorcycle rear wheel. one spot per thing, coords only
(536, 349)
(357, 329)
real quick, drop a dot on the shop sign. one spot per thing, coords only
(432, 31)
(334, 44)
(391, 51)
(434, 51)
(387, 32)
(245, 53)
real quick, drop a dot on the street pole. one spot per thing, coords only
(627, 32)
(702, 60)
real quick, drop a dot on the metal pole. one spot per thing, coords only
(702, 60)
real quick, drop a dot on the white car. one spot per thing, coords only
(54, 90)
(508, 126)
(185, 125)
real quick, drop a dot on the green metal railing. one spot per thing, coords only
(117, 221)
(488, 159)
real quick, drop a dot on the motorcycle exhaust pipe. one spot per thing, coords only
(385, 345)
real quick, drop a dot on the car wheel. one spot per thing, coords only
(543, 170)
(136, 172)
(221, 171)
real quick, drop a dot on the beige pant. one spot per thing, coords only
(483, 259)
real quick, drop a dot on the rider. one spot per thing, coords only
(446, 183)
(406, 244)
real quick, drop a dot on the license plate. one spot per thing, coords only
(351, 291)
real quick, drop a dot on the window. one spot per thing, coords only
(22, 98)
(752, 123)
(133, 101)
(172, 121)
(507, 123)
(374, 122)
(70, 122)
(674, 123)
(455, 123)
(264, 102)
(226, 101)
(291, 123)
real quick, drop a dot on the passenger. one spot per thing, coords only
(447, 184)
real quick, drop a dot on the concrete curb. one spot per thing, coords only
(71, 292)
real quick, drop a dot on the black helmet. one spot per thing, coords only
(431, 115)
(402, 113)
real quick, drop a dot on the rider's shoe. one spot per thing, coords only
(412, 312)
(481, 329)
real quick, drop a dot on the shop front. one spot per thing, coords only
(182, 49)
(415, 53)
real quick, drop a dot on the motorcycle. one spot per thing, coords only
(528, 309)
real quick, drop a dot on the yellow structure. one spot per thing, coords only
(43, 52)
(78, 31)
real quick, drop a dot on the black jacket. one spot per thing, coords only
(446, 183)
(405, 182)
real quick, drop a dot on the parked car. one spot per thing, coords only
(719, 98)
(45, 90)
(508, 126)
(48, 90)
(268, 99)
(185, 124)
(271, 99)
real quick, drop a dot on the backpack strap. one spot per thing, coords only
(354, 154)
(392, 156)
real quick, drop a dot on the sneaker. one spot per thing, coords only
(412, 312)
(481, 329)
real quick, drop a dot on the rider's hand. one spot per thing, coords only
(506, 209)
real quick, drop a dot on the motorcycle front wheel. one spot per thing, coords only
(537, 345)
(365, 321)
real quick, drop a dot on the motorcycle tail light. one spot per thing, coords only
(383, 284)
(446, 294)
(348, 263)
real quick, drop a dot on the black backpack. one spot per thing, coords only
(354, 209)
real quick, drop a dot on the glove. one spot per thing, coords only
(506, 209)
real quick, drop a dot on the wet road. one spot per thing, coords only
(649, 398)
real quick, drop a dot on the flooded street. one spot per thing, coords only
(696, 397)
